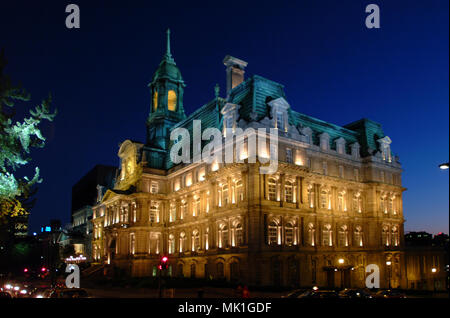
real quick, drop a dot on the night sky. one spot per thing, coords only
(332, 66)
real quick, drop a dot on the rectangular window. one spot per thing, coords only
(280, 120)
(154, 187)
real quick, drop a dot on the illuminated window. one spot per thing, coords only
(288, 193)
(155, 100)
(223, 235)
(343, 236)
(272, 233)
(385, 236)
(240, 190)
(394, 236)
(289, 234)
(311, 234)
(182, 242)
(172, 212)
(272, 189)
(132, 243)
(238, 234)
(172, 100)
(183, 209)
(195, 240)
(154, 212)
(225, 197)
(196, 206)
(171, 244)
(311, 196)
(357, 203)
(358, 236)
(327, 235)
(154, 187)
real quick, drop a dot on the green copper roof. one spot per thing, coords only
(168, 69)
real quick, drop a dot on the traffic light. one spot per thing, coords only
(163, 263)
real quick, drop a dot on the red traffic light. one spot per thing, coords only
(25, 270)
(159, 267)
(43, 269)
(164, 259)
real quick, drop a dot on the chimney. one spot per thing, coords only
(235, 72)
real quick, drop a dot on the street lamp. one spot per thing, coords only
(389, 263)
(434, 271)
(341, 262)
(444, 166)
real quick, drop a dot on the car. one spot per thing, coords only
(319, 294)
(389, 293)
(41, 292)
(354, 293)
(294, 293)
(69, 293)
(4, 294)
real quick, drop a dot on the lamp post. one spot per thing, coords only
(389, 263)
(341, 262)
(434, 271)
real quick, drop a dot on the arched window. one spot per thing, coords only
(171, 244)
(385, 235)
(155, 100)
(273, 233)
(357, 202)
(358, 236)
(311, 235)
(343, 236)
(394, 236)
(171, 100)
(154, 212)
(172, 212)
(310, 196)
(341, 201)
(383, 206)
(240, 190)
(208, 202)
(288, 192)
(223, 235)
(238, 238)
(324, 204)
(225, 198)
(289, 234)
(183, 209)
(327, 235)
(195, 241)
(272, 189)
(207, 238)
(182, 242)
(196, 206)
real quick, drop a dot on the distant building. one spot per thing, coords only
(426, 261)
(85, 194)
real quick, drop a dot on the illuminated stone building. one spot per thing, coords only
(333, 206)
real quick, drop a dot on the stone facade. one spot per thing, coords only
(333, 206)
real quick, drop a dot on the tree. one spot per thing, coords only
(17, 138)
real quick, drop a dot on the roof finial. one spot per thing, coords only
(168, 54)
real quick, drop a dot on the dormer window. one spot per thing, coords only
(324, 141)
(280, 120)
(385, 148)
(340, 146)
(279, 112)
(230, 116)
(355, 149)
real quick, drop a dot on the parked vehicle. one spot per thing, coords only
(355, 293)
(69, 293)
(319, 294)
(389, 293)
